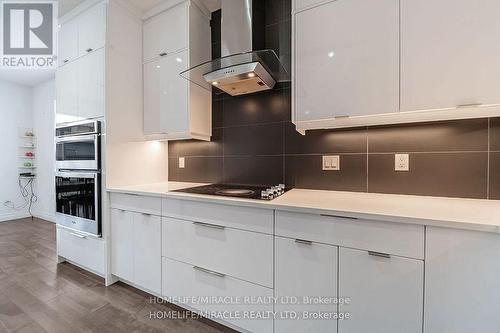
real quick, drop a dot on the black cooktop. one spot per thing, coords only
(237, 191)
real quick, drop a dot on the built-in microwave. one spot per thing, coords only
(78, 146)
(78, 197)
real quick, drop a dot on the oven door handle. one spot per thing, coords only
(67, 174)
(79, 138)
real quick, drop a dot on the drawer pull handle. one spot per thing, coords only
(163, 54)
(78, 235)
(340, 217)
(146, 214)
(204, 270)
(303, 241)
(89, 50)
(379, 254)
(66, 60)
(208, 225)
(472, 105)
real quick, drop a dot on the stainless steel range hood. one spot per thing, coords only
(240, 70)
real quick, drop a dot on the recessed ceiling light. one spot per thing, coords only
(251, 74)
(331, 54)
(178, 59)
(215, 83)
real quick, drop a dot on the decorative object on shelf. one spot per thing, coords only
(28, 164)
(29, 154)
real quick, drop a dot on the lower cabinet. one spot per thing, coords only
(136, 248)
(305, 272)
(462, 288)
(219, 297)
(385, 292)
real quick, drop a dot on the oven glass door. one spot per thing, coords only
(76, 195)
(78, 152)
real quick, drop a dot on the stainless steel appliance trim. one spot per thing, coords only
(76, 123)
(80, 164)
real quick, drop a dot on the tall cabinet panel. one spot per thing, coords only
(304, 269)
(67, 93)
(449, 53)
(346, 58)
(91, 85)
(386, 293)
(68, 43)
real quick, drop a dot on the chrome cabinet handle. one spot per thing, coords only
(339, 217)
(471, 105)
(379, 254)
(163, 54)
(78, 235)
(208, 225)
(303, 241)
(204, 270)
(89, 50)
(66, 60)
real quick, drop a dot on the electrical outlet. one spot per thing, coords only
(331, 163)
(402, 162)
(182, 163)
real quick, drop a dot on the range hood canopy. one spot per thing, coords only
(241, 70)
(239, 74)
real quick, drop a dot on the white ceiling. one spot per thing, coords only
(34, 77)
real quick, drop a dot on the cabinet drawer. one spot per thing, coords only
(181, 280)
(241, 254)
(238, 217)
(136, 203)
(405, 240)
(84, 251)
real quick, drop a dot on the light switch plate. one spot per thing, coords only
(331, 163)
(182, 163)
(402, 162)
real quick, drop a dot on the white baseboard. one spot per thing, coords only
(13, 216)
(51, 217)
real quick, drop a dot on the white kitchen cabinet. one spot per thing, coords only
(67, 93)
(462, 293)
(122, 238)
(175, 108)
(449, 54)
(346, 60)
(136, 248)
(167, 32)
(304, 270)
(68, 42)
(92, 29)
(90, 84)
(386, 293)
(147, 251)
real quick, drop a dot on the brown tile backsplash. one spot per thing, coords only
(494, 186)
(459, 135)
(254, 142)
(436, 174)
(304, 171)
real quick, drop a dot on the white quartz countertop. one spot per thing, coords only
(471, 214)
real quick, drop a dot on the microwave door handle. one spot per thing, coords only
(91, 175)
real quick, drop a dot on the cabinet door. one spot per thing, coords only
(122, 242)
(147, 252)
(166, 33)
(462, 274)
(449, 53)
(92, 29)
(68, 42)
(152, 72)
(91, 85)
(386, 294)
(174, 113)
(347, 59)
(304, 270)
(67, 93)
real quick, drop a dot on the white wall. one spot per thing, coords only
(44, 127)
(16, 113)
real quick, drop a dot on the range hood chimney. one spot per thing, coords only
(241, 69)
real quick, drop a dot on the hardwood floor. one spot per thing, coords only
(38, 295)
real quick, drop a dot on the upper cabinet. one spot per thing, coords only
(346, 59)
(166, 33)
(68, 42)
(449, 53)
(361, 63)
(175, 40)
(92, 29)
